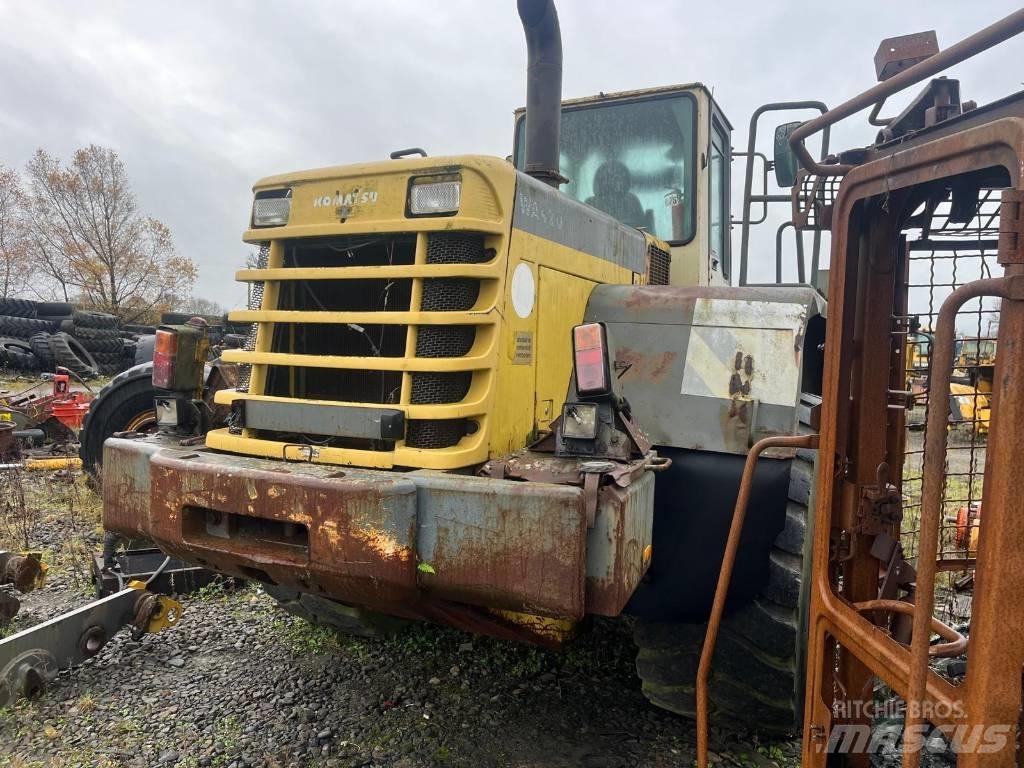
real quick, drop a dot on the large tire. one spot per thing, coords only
(68, 353)
(54, 309)
(83, 318)
(17, 354)
(110, 345)
(18, 307)
(757, 673)
(40, 344)
(144, 347)
(23, 327)
(123, 405)
(94, 334)
(342, 618)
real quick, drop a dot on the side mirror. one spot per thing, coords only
(784, 160)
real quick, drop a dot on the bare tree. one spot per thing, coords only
(197, 305)
(94, 243)
(16, 269)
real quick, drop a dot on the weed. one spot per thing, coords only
(215, 590)
(301, 637)
(20, 519)
(86, 703)
(442, 754)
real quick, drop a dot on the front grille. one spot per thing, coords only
(367, 292)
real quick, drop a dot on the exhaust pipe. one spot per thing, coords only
(543, 89)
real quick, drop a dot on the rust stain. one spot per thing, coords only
(383, 544)
(644, 366)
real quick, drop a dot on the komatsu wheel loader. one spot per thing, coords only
(506, 395)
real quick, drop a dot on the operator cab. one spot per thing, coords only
(658, 160)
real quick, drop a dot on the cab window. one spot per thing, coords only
(634, 160)
(718, 189)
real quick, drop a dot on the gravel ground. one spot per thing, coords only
(240, 683)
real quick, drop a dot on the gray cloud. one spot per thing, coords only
(201, 99)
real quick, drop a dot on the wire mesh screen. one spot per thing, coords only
(951, 248)
(255, 302)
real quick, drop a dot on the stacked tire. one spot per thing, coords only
(19, 321)
(100, 335)
(42, 336)
(16, 355)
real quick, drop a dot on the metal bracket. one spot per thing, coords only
(592, 472)
(32, 657)
(881, 506)
(25, 572)
(1011, 227)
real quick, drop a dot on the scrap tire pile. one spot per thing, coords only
(42, 335)
(17, 354)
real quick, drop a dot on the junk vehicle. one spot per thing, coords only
(473, 398)
(476, 391)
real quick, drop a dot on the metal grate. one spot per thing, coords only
(436, 433)
(813, 198)
(950, 249)
(255, 302)
(659, 262)
(457, 248)
(449, 294)
(445, 295)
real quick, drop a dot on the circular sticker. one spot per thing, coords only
(524, 290)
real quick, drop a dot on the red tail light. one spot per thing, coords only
(590, 355)
(165, 354)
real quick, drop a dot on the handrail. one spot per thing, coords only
(725, 576)
(748, 179)
(982, 40)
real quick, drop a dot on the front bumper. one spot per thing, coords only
(404, 543)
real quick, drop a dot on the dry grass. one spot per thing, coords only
(56, 513)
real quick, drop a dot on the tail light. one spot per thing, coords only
(165, 355)
(179, 357)
(590, 357)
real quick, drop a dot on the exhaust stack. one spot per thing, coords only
(543, 89)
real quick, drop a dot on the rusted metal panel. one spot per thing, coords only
(619, 545)
(896, 54)
(358, 536)
(125, 487)
(502, 544)
(360, 528)
(709, 368)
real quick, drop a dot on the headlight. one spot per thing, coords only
(434, 195)
(271, 208)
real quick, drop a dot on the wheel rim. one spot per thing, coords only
(143, 422)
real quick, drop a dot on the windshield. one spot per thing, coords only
(632, 160)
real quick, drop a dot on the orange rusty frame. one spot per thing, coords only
(853, 404)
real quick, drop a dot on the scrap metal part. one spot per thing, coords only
(25, 571)
(34, 656)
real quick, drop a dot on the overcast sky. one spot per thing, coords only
(202, 99)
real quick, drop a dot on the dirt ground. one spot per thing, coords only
(239, 683)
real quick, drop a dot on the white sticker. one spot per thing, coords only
(524, 290)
